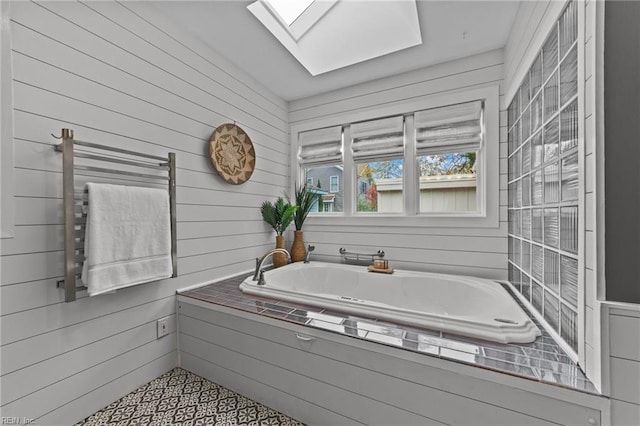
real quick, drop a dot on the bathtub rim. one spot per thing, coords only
(526, 332)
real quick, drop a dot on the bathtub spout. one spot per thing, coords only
(259, 273)
(310, 248)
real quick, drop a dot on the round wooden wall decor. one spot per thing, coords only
(232, 154)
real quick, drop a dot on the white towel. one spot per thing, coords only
(128, 237)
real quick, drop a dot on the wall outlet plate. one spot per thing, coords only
(162, 327)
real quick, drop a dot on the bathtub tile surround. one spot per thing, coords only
(183, 398)
(544, 181)
(543, 360)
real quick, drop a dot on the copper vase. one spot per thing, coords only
(298, 252)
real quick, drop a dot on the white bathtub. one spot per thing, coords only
(467, 306)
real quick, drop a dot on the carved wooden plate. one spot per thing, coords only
(232, 154)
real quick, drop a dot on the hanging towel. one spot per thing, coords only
(128, 237)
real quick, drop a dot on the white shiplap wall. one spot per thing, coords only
(122, 75)
(624, 362)
(461, 250)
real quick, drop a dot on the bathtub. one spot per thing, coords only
(461, 305)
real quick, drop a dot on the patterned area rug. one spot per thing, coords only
(183, 398)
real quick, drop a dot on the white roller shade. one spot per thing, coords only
(321, 146)
(378, 139)
(454, 128)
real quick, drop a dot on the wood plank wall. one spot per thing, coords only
(122, 75)
(464, 250)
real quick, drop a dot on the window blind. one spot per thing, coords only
(454, 128)
(378, 139)
(321, 146)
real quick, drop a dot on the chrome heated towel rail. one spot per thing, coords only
(126, 165)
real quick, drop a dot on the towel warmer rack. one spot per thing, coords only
(74, 222)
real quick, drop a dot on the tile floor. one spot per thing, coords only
(181, 398)
(543, 360)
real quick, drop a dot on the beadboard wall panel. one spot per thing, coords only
(461, 250)
(120, 74)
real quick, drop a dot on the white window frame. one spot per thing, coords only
(488, 163)
(337, 184)
(309, 181)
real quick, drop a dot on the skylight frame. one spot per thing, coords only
(339, 33)
(283, 8)
(305, 20)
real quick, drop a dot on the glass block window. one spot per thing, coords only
(544, 176)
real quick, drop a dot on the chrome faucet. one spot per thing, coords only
(310, 248)
(259, 273)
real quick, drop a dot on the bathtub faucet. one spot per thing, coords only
(310, 248)
(259, 274)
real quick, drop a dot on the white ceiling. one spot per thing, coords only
(450, 30)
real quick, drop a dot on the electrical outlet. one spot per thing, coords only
(163, 327)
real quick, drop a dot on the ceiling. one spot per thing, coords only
(451, 29)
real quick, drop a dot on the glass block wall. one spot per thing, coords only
(543, 180)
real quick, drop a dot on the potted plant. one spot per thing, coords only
(279, 215)
(304, 201)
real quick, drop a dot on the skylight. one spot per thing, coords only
(289, 10)
(324, 35)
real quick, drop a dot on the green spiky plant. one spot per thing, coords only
(304, 199)
(279, 214)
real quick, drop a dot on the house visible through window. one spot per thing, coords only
(447, 142)
(378, 151)
(320, 156)
(443, 144)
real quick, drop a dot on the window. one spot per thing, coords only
(320, 157)
(378, 152)
(310, 181)
(333, 184)
(436, 165)
(447, 143)
(327, 203)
